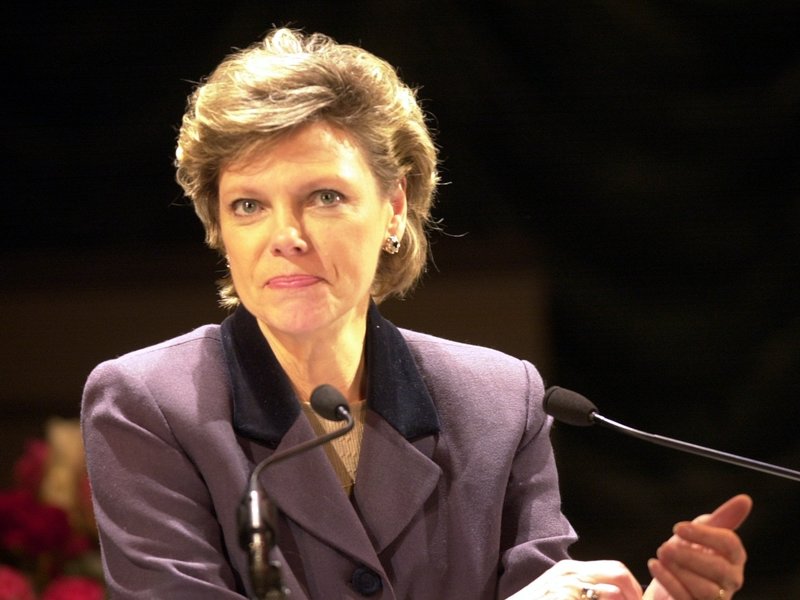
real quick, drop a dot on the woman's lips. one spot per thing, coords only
(292, 281)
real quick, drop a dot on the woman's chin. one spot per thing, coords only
(302, 323)
(306, 315)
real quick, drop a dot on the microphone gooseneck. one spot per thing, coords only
(573, 409)
(257, 515)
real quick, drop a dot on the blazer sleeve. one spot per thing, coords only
(535, 532)
(141, 479)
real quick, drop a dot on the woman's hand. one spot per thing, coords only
(583, 580)
(704, 559)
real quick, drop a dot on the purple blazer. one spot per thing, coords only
(456, 493)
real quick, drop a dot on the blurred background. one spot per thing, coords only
(621, 207)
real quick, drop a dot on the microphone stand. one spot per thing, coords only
(574, 409)
(257, 535)
(734, 459)
(257, 517)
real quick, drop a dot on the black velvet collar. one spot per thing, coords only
(264, 403)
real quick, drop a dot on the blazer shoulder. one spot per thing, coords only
(205, 336)
(432, 348)
(183, 378)
(445, 360)
(200, 348)
(480, 385)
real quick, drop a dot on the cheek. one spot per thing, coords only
(241, 245)
(354, 253)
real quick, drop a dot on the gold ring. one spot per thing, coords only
(590, 594)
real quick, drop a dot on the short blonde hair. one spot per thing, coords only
(261, 93)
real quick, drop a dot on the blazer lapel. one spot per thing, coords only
(306, 489)
(395, 473)
(395, 478)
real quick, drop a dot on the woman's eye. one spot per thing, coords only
(245, 207)
(329, 197)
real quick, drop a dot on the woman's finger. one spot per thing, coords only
(722, 541)
(573, 579)
(683, 584)
(667, 581)
(730, 514)
(700, 568)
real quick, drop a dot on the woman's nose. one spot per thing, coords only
(288, 241)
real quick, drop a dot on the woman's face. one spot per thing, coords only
(303, 223)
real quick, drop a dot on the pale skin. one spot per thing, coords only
(703, 557)
(303, 223)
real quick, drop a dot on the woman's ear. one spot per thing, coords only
(399, 204)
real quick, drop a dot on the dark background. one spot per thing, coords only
(622, 177)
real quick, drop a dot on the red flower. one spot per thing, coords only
(14, 585)
(73, 588)
(29, 469)
(29, 527)
(77, 545)
(46, 523)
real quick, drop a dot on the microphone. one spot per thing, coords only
(573, 409)
(257, 515)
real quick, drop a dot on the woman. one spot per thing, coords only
(312, 170)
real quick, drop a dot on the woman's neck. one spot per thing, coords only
(336, 359)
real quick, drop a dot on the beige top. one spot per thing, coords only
(343, 452)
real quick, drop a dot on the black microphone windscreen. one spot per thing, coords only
(568, 406)
(326, 400)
